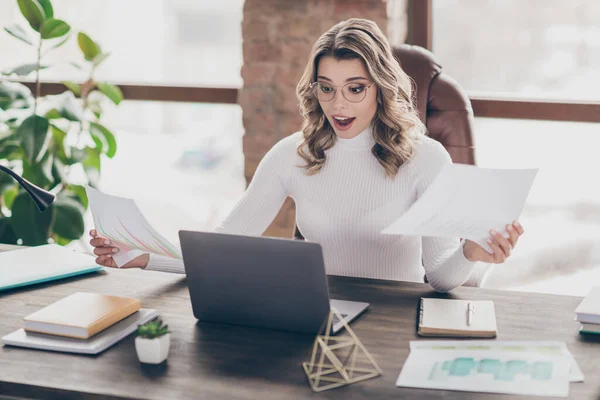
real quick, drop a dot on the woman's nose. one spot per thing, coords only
(339, 101)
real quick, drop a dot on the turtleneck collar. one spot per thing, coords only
(363, 140)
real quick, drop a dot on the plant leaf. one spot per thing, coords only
(99, 59)
(33, 173)
(98, 142)
(9, 196)
(108, 139)
(54, 28)
(73, 87)
(7, 234)
(33, 133)
(58, 139)
(112, 92)
(79, 194)
(60, 43)
(69, 107)
(77, 155)
(15, 95)
(45, 166)
(9, 150)
(53, 114)
(33, 13)
(75, 65)
(58, 170)
(30, 225)
(23, 70)
(95, 107)
(47, 7)
(68, 217)
(6, 182)
(88, 47)
(92, 165)
(20, 33)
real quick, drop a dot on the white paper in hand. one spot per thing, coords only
(466, 201)
(120, 220)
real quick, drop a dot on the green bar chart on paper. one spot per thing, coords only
(120, 220)
(491, 368)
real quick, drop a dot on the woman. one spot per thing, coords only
(360, 161)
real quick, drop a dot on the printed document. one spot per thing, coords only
(503, 367)
(467, 201)
(120, 220)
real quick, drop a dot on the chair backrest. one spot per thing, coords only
(443, 106)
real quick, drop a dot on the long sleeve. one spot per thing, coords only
(165, 264)
(254, 212)
(262, 200)
(446, 266)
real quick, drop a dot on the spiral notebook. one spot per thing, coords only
(457, 318)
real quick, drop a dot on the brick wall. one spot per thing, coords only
(277, 38)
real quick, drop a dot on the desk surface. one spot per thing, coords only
(228, 362)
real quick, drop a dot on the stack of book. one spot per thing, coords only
(81, 323)
(588, 312)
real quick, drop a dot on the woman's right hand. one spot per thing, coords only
(104, 250)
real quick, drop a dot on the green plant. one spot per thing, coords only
(47, 138)
(152, 329)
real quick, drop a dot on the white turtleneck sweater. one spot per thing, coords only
(345, 206)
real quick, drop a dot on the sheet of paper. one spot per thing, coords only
(120, 220)
(487, 371)
(467, 201)
(542, 347)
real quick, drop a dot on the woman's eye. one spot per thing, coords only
(325, 89)
(357, 89)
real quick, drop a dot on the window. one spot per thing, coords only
(547, 49)
(562, 212)
(176, 42)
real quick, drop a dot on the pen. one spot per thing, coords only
(470, 313)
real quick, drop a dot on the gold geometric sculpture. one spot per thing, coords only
(334, 370)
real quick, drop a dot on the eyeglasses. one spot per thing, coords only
(352, 91)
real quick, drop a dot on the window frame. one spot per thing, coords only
(420, 33)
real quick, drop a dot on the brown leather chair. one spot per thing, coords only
(443, 105)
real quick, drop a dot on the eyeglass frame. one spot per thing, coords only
(335, 88)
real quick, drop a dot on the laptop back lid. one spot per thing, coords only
(256, 281)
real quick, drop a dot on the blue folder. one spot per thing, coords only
(33, 265)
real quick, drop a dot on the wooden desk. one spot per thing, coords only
(210, 361)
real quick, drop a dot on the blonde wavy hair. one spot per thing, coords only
(396, 125)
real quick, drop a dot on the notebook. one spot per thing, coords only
(588, 311)
(31, 265)
(94, 345)
(80, 315)
(457, 318)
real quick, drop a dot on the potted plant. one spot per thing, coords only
(46, 137)
(152, 342)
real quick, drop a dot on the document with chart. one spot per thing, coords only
(498, 369)
(120, 220)
(466, 201)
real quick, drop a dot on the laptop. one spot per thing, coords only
(260, 282)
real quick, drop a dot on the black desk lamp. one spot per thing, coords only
(41, 197)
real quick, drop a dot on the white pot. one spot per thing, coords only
(153, 351)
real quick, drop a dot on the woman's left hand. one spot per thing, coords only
(501, 245)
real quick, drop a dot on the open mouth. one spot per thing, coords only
(343, 123)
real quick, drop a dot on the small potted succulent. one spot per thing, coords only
(152, 342)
